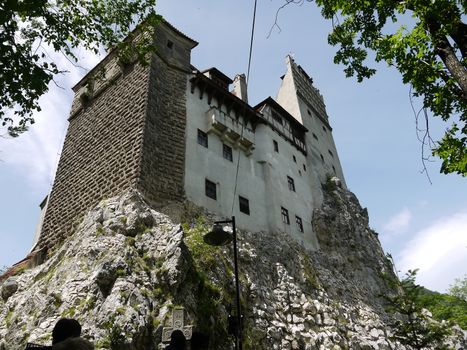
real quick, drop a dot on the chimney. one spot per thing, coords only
(239, 87)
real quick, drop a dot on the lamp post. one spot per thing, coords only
(219, 237)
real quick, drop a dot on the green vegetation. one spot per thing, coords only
(99, 230)
(459, 289)
(444, 307)
(429, 50)
(311, 277)
(9, 318)
(120, 310)
(130, 241)
(57, 300)
(211, 297)
(30, 28)
(70, 312)
(115, 337)
(413, 326)
(121, 272)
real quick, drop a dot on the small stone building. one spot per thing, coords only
(176, 133)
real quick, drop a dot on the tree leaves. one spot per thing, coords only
(414, 327)
(430, 56)
(29, 28)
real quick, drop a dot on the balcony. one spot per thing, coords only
(231, 130)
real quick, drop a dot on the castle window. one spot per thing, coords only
(285, 216)
(244, 205)
(333, 168)
(210, 189)
(315, 137)
(331, 154)
(298, 221)
(227, 152)
(304, 167)
(308, 111)
(170, 44)
(291, 183)
(276, 146)
(202, 138)
(324, 128)
(322, 158)
(294, 159)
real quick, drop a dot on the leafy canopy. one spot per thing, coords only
(445, 307)
(430, 54)
(414, 327)
(31, 28)
(459, 290)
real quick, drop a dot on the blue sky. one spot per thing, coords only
(422, 225)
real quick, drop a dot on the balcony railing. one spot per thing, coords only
(231, 130)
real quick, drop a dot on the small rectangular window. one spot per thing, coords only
(285, 216)
(210, 189)
(291, 183)
(294, 159)
(330, 153)
(276, 146)
(227, 152)
(202, 138)
(244, 205)
(170, 44)
(304, 167)
(298, 221)
(322, 158)
(315, 137)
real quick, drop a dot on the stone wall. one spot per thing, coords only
(127, 130)
(163, 161)
(101, 152)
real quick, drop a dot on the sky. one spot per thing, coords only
(421, 224)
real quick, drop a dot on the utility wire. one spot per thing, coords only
(247, 80)
(251, 42)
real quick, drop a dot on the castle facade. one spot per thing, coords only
(176, 133)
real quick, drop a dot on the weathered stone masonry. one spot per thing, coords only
(163, 159)
(120, 132)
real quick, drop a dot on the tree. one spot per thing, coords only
(29, 29)
(414, 326)
(429, 51)
(459, 288)
(444, 307)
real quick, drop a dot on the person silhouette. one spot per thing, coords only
(65, 328)
(75, 343)
(177, 341)
(199, 341)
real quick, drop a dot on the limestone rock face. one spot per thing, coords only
(128, 266)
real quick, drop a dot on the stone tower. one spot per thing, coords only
(304, 101)
(122, 135)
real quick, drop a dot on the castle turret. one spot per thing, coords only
(301, 99)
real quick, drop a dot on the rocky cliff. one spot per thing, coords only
(128, 267)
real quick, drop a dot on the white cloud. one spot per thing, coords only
(439, 251)
(399, 223)
(34, 155)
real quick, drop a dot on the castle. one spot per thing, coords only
(175, 133)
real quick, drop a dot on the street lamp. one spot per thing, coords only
(218, 237)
